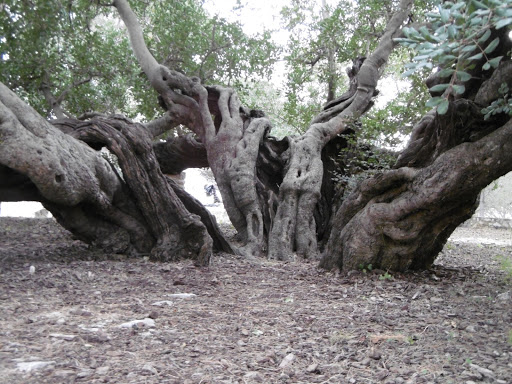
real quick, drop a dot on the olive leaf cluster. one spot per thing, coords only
(501, 105)
(457, 38)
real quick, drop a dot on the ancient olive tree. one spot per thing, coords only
(279, 194)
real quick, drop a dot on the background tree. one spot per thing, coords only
(69, 58)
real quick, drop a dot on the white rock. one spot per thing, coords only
(254, 376)
(61, 321)
(85, 373)
(147, 322)
(182, 295)
(162, 303)
(32, 270)
(102, 370)
(505, 296)
(287, 360)
(64, 373)
(62, 336)
(33, 365)
(149, 368)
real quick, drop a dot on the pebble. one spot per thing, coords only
(313, 368)
(85, 373)
(148, 368)
(374, 354)
(33, 365)
(483, 371)
(254, 376)
(98, 336)
(64, 373)
(102, 370)
(382, 374)
(62, 336)
(505, 296)
(147, 322)
(287, 360)
(163, 302)
(182, 295)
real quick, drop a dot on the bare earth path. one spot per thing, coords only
(247, 323)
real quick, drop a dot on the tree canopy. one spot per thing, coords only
(69, 58)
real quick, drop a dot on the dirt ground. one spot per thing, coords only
(65, 313)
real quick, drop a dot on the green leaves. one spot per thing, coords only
(439, 88)
(463, 76)
(75, 52)
(501, 105)
(503, 23)
(434, 102)
(442, 108)
(456, 40)
(492, 45)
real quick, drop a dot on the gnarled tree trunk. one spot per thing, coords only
(278, 194)
(402, 218)
(140, 212)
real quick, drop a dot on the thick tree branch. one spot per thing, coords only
(146, 60)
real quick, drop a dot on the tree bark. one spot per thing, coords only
(278, 194)
(231, 137)
(294, 230)
(401, 219)
(139, 212)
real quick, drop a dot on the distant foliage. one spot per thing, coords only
(75, 55)
(457, 37)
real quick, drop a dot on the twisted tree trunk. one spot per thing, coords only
(278, 194)
(402, 218)
(294, 227)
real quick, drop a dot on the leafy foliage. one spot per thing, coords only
(457, 38)
(322, 44)
(182, 36)
(501, 105)
(74, 56)
(52, 51)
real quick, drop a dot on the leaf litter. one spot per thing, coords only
(71, 314)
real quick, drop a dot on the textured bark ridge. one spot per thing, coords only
(230, 133)
(178, 233)
(401, 219)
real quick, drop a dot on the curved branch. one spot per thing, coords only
(146, 60)
(369, 74)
